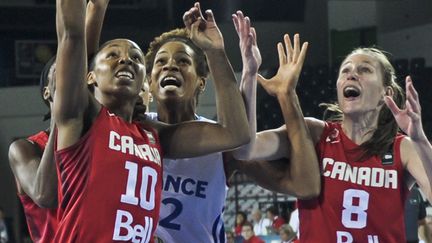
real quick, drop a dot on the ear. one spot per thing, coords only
(91, 79)
(150, 97)
(46, 93)
(389, 91)
(202, 84)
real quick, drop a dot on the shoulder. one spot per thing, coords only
(316, 128)
(22, 148)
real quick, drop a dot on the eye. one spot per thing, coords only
(137, 58)
(159, 61)
(344, 70)
(184, 61)
(365, 70)
(112, 55)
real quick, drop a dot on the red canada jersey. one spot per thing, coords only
(111, 182)
(41, 222)
(360, 201)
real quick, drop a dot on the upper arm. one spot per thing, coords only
(194, 138)
(24, 159)
(411, 161)
(71, 96)
(274, 144)
(316, 128)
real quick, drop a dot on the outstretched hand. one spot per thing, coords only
(251, 56)
(204, 31)
(408, 118)
(291, 61)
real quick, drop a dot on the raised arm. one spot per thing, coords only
(71, 97)
(301, 176)
(94, 20)
(416, 150)
(231, 130)
(251, 59)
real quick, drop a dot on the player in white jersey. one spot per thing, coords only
(194, 189)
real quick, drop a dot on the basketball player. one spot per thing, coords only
(367, 166)
(32, 159)
(195, 189)
(111, 175)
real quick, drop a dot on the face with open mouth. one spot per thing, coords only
(360, 84)
(119, 66)
(174, 74)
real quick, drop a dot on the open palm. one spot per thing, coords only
(290, 65)
(204, 31)
(408, 118)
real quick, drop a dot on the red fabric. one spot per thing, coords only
(111, 182)
(277, 222)
(40, 138)
(238, 229)
(359, 200)
(254, 239)
(41, 222)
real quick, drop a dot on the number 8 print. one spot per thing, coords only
(355, 216)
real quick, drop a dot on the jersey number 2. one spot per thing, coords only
(355, 204)
(167, 222)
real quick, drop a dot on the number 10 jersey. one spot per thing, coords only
(111, 182)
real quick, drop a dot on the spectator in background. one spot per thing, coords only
(415, 215)
(277, 221)
(230, 237)
(3, 229)
(427, 233)
(294, 222)
(240, 220)
(260, 223)
(287, 234)
(249, 235)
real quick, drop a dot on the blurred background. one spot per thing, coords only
(333, 28)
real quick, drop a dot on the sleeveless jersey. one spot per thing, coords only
(111, 182)
(41, 222)
(193, 198)
(359, 201)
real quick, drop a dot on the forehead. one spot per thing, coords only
(121, 43)
(173, 47)
(358, 58)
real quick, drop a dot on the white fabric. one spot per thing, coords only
(193, 198)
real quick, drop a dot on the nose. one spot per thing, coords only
(171, 65)
(125, 60)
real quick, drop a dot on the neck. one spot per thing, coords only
(360, 128)
(120, 106)
(176, 112)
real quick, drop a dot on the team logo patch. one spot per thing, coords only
(333, 137)
(150, 136)
(387, 159)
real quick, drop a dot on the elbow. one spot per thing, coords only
(46, 201)
(242, 138)
(309, 191)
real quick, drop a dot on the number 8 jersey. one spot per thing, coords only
(111, 182)
(360, 201)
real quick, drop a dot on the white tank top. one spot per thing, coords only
(193, 196)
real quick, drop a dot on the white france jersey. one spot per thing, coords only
(193, 196)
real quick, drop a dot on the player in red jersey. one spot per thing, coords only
(32, 159)
(366, 166)
(110, 167)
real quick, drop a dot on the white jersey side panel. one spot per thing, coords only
(193, 197)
